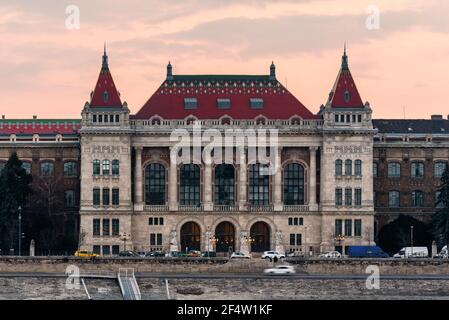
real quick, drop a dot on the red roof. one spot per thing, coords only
(41, 127)
(105, 93)
(168, 102)
(344, 94)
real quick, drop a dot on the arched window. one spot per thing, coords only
(70, 199)
(25, 165)
(259, 185)
(338, 167)
(348, 167)
(106, 167)
(417, 198)
(189, 185)
(224, 184)
(439, 168)
(155, 184)
(394, 170)
(96, 167)
(115, 167)
(393, 199)
(358, 167)
(417, 170)
(294, 184)
(47, 169)
(70, 169)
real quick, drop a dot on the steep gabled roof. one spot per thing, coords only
(412, 126)
(168, 102)
(39, 126)
(344, 93)
(105, 93)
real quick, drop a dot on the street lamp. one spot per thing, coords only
(411, 238)
(20, 230)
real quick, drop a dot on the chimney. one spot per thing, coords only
(3, 117)
(34, 117)
(436, 117)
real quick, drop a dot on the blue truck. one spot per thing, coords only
(366, 252)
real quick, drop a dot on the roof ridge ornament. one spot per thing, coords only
(169, 72)
(272, 71)
(344, 60)
(105, 65)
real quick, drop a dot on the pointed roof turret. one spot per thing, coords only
(344, 93)
(272, 71)
(105, 93)
(169, 71)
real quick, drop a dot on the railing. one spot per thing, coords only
(225, 208)
(187, 208)
(128, 284)
(156, 208)
(296, 208)
(260, 208)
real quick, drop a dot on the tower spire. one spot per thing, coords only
(105, 65)
(344, 60)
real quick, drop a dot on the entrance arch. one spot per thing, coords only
(260, 233)
(190, 236)
(225, 236)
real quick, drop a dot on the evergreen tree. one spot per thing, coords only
(440, 219)
(14, 190)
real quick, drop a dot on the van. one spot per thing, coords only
(412, 252)
(366, 252)
(443, 253)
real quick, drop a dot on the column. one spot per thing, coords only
(138, 203)
(243, 181)
(312, 179)
(173, 185)
(278, 205)
(208, 205)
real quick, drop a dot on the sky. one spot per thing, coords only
(398, 49)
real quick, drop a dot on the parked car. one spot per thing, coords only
(330, 254)
(272, 255)
(281, 269)
(155, 254)
(296, 254)
(412, 252)
(240, 255)
(194, 253)
(141, 254)
(85, 254)
(210, 254)
(366, 252)
(443, 254)
(128, 253)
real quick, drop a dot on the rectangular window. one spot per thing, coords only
(106, 118)
(155, 239)
(115, 250)
(290, 221)
(117, 118)
(100, 118)
(358, 197)
(301, 221)
(292, 239)
(295, 239)
(105, 196)
(359, 118)
(106, 228)
(338, 197)
(348, 197)
(295, 221)
(161, 221)
(358, 227)
(115, 197)
(190, 103)
(223, 103)
(256, 103)
(111, 117)
(96, 227)
(338, 227)
(106, 250)
(375, 169)
(156, 221)
(150, 221)
(336, 118)
(115, 227)
(97, 249)
(348, 228)
(393, 199)
(94, 118)
(96, 197)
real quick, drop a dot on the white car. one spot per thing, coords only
(272, 255)
(330, 254)
(282, 269)
(240, 255)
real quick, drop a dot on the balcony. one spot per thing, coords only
(225, 208)
(155, 208)
(296, 208)
(190, 208)
(261, 208)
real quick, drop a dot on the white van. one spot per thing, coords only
(412, 252)
(443, 253)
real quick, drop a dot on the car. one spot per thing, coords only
(412, 252)
(240, 255)
(443, 253)
(209, 254)
(128, 253)
(194, 254)
(155, 254)
(85, 254)
(141, 254)
(296, 254)
(330, 254)
(272, 255)
(281, 269)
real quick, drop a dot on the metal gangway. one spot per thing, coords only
(128, 284)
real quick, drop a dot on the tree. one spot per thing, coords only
(14, 190)
(440, 219)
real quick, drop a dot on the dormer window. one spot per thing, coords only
(223, 103)
(347, 96)
(256, 103)
(106, 96)
(190, 103)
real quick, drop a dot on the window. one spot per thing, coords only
(295, 239)
(348, 228)
(437, 203)
(115, 197)
(223, 103)
(25, 165)
(96, 167)
(439, 168)
(106, 167)
(393, 199)
(156, 221)
(294, 184)
(105, 97)
(115, 167)
(111, 118)
(106, 250)
(106, 196)
(100, 118)
(417, 170)
(338, 167)
(70, 169)
(295, 221)
(115, 227)
(346, 96)
(259, 185)
(190, 103)
(115, 250)
(117, 118)
(97, 249)
(94, 118)
(96, 227)
(70, 201)
(348, 197)
(337, 118)
(338, 227)
(357, 227)
(375, 172)
(96, 197)
(359, 118)
(47, 169)
(256, 103)
(190, 185)
(224, 184)
(348, 167)
(394, 170)
(106, 228)
(155, 184)
(358, 167)
(106, 118)
(155, 239)
(338, 197)
(417, 198)
(358, 197)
